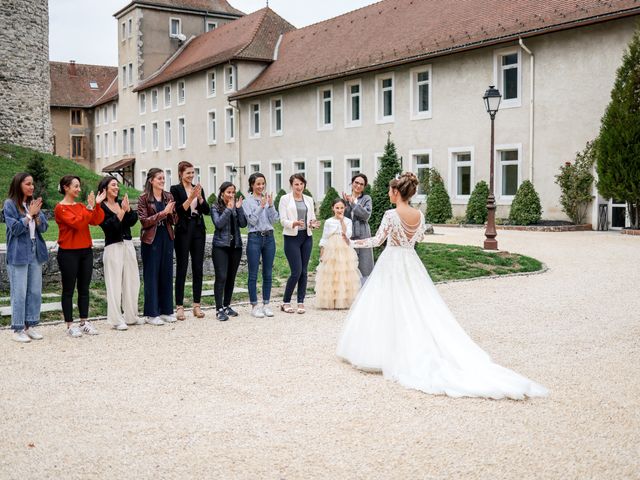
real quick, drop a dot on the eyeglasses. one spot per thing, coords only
(359, 183)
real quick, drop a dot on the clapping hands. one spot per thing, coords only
(347, 197)
(35, 206)
(126, 206)
(169, 208)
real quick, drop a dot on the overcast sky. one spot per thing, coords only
(85, 30)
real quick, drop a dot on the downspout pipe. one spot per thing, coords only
(531, 106)
(236, 107)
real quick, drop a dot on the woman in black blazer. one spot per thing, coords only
(190, 236)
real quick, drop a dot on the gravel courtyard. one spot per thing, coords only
(267, 398)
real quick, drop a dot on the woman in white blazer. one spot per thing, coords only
(298, 218)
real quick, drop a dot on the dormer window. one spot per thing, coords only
(211, 25)
(93, 85)
(175, 27)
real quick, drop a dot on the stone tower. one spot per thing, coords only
(24, 74)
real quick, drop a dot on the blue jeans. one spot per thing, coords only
(257, 246)
(26, 293)
(298, 252)
(157, 271)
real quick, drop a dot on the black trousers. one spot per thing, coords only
(189, 240)
(76, 266)
(157, 271)
(226, 261)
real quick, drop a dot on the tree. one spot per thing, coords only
(477, 207)
(326, 208)
(438, 202)
(280, 194)
(38, 171)
(618, 145)
(575, 181)
(525, 208)
(387, 171)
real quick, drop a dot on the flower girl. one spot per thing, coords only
(337, 277)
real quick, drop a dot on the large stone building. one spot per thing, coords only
(234, 94)
(24, 74)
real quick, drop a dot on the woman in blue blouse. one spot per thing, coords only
(26, 252)
(261, 216)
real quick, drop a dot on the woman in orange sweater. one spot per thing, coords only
(75, 257)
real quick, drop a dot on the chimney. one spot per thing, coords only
(72, 68)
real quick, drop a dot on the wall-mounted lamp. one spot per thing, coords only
(235, 169)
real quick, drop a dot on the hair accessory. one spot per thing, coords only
(397, 176)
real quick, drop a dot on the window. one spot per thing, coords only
(352, 165)
(299, 166)
(353, 98)
(154, 100)
(461, 178)
(421, 93)
(175, 27)
(377, 158)
(168, 181)
(114, 143)
(182, 133)
(105, 114)
(211, 25)
(98, 146)
(385, 98)
(326, 176)
(142, 98)
(155, 136)
(508, 77)
(197, 179)
(211, 114)
(124, 31)
(76, 147)
(254, 168)
(76, 116)
(229, 125)
(132, 140)
(211, 83)
(96, 117)
(420, 163)
(254, 120)
(167, 134)
(182, 92)
(124, 76)
(114, 112)
(143, 138)
(93, 85)
(130, 74)
(167, 96)
(228, 172)
(143, 179)
(276, 116)
(125, 141)
(325, 107)
(276, 176)
(229, 78)
(213, 180)
(509, 170)
(130, 28)
(106, 144)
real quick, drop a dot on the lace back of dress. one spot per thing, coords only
(403, 234)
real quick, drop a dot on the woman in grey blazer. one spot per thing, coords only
(359, 210)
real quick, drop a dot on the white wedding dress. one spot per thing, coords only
(400, 325)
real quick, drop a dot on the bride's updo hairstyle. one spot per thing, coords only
(406, 185)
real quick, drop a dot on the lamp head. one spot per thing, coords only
(492, 99)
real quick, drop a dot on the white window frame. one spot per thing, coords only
(182, 133)
(348, 170)
(143, 178)
(213, 179)
(142, 103)
(182, 91)
(123, 35)
(114, 112)
(132, 141)
(498, 76)
(321, 101)
(105, 114)
(96, 116)
(415, 169)
(197, 179)
(230, 79)
(272, 116)
(377, 157)
(143, 138)
(254, 164)
(124, 77)
(228, 172)
(380, 118)
(453, 174)
(168, 179)
(295, 169)
(114, 143)
(348, 122)
(208, 25)
(414, 96)
(166, 88)
(506, 199)
(321, 172)
(129, 28)
(155, 94)
(168, 145)
(273, 173)
(171, 20)
(98, 146)
(106, 144)
(125, 141)
(212, 140)
(253, 122)
(155, 136)
(130, 77)
(211, 93)
(229, 125)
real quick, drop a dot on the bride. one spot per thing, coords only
(401, 326)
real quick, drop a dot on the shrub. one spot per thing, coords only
(327, 204)
(304, 192)
(38, 171)
(525, 209)
(438, 201)
(389, 167)
(477, 207)
(280, 194)
(213, 198)
(575, 181)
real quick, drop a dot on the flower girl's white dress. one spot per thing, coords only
(400, 325)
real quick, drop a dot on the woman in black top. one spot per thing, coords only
(121, 275)
(190, 236)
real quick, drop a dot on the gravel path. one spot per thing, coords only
(268, 399)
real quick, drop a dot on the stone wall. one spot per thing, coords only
(24, 74)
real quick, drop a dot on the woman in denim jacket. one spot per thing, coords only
(228, 218)
(26, 252)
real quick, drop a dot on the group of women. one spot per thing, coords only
(171, 223)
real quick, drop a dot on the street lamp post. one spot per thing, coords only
(492, 99)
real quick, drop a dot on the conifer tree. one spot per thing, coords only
(387, 171)
(477, 207)
(525, 208)
(618, 145)
(276, 202)
(326, 208)
(38, 171)
(438, 202)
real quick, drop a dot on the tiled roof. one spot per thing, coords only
(109, 95)
(208, 6)
(252, 37)
(392, 32)
(71, 83)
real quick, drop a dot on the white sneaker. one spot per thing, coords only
(21, 336)
(34, 334)
(267, 311)
(257, 311)
(88, 329)
(168, 318)
(121, 327)
(74, 331)
(139, 321)
(155, 321)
